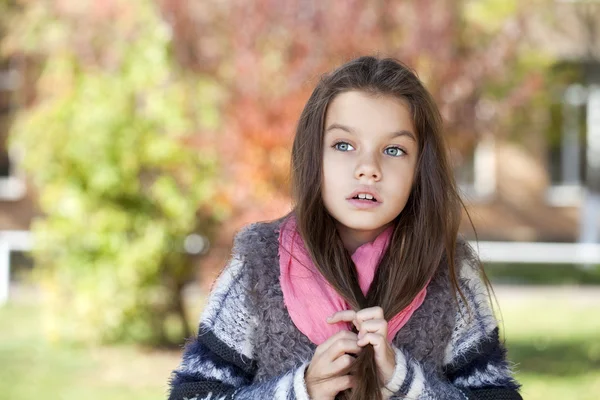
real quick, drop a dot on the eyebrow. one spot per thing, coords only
(352, 132)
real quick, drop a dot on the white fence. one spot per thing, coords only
(510, 252)
(10, 241)
(538, 252)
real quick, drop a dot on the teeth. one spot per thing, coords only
(365, 196)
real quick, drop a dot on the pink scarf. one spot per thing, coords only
(310, 299)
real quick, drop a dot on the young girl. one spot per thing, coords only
(364, 291)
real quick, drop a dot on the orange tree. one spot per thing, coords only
(473, 56)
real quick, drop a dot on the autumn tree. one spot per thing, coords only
(269, 54)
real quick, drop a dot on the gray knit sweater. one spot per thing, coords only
(248, 347)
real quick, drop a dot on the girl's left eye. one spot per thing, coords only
(343, 146)
(395, 151)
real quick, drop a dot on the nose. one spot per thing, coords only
(368, 168)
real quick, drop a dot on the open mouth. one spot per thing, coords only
(366, 198)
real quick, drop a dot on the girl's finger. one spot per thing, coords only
(369, 313)
(384, 353)
(341, 363)
(379, 342)
(342, 316)
(379, 326)
(338, 384)
(344, 334)
(341, 347)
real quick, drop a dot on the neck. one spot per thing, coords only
(354, 238)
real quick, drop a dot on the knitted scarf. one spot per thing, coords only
(310, 299)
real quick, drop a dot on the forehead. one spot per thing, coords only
(367, 112)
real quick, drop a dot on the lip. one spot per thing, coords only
(365, 204)
(367, 190)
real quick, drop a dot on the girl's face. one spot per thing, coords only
(370, 147)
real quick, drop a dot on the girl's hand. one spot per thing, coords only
(322, 377)
(372, 329)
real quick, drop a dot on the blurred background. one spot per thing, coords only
(136, 138)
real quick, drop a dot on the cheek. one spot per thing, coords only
(331, 169)
(404, 180)
(330, 179)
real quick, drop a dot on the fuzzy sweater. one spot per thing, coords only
(247, 346)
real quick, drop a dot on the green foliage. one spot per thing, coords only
(543, 274)
(119, 188)
(489, 15)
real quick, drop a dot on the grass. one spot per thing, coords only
(543, 274)
(31, 368)
(552, 337)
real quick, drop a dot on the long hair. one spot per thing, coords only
(425, 231)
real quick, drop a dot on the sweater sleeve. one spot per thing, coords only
(475, 365)
(219, 362)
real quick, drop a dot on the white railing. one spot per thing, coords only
(10, 241)
(538, 252)
(510, 252)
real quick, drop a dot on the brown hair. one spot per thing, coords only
(425, 231)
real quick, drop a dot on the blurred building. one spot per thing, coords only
(17, 200)
(545, 186)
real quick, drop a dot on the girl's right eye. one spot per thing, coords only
(342, 146)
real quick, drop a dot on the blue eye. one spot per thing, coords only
(395, 151)
(342, 146)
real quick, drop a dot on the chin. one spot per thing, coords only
(362, 224)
